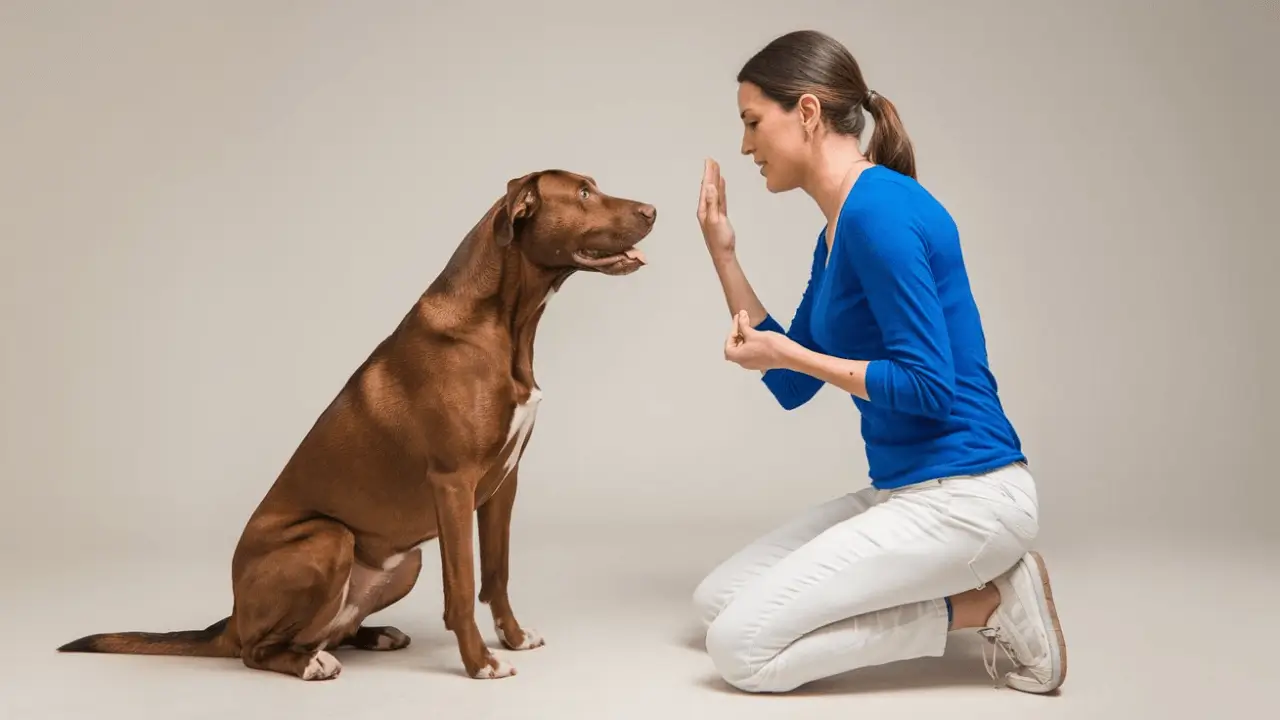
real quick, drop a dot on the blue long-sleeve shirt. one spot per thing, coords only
(895, 292)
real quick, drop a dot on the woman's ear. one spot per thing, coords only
(810, 111)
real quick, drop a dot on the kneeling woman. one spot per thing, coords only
(941, 539)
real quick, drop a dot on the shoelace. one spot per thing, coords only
(995, 640)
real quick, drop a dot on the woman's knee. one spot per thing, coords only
(709, 599)
(736, 657)
(729, 646)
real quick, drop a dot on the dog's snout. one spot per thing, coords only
(647, 211)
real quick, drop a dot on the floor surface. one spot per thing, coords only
(1151, 631)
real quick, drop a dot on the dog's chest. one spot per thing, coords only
(517, 434)
(521, 424)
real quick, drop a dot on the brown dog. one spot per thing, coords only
(428, 431)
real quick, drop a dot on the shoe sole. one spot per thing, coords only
(1048, 609)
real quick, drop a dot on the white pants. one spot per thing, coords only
(861, 580)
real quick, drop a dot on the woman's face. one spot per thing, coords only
(773, 137)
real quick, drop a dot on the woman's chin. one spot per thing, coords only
(774, 186)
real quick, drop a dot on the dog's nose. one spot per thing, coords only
(648, 212)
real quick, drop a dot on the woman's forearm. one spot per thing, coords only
(738, 293)
(848, 375)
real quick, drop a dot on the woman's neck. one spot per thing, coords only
(837, 164)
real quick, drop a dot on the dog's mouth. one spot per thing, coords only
(611, 263)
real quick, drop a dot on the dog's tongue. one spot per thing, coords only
(636, 254)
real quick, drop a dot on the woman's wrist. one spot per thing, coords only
(738, 294)
(724, 258)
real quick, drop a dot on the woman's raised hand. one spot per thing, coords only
(713, 217)
(713, 213)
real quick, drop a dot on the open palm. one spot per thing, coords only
(713, 212)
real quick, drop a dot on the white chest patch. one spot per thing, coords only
(521, 424)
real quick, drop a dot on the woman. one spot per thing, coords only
(940, 541)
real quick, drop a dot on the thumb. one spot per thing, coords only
(744, 323)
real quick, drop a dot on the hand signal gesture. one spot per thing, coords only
(713, 212)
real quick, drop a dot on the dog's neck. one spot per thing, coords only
(485, 287)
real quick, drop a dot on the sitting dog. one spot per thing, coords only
(425, 435)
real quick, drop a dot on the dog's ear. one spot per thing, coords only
(521, 203)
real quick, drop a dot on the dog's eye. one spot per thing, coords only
(585, 194)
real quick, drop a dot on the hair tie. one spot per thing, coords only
(871, 94)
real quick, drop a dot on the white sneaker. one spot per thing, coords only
(1025, 626)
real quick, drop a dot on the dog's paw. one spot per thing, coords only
(378, 638)
(526, 639)
(322, 666)
(494, 668)
(391, 639)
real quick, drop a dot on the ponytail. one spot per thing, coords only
(890, 145)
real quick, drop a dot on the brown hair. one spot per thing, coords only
(807, 61)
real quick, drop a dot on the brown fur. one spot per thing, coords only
(411, 450)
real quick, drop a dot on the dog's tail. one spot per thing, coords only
(213, 641)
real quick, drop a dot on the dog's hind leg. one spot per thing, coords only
(291, 603)
(394, 585)
(494, 519)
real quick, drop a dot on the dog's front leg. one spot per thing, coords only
(455, 503)
(495, 553)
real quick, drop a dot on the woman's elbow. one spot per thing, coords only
(917, 389)
(791, 390)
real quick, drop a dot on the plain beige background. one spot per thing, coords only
(210, 212)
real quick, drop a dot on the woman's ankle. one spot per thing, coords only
(973, 608)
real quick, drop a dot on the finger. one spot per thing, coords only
(702, 201)
(735, 338)
(713, 201)
(707, 175)
(730, 345)
(744, 323)
(724, 198)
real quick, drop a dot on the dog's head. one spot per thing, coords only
(561, 220)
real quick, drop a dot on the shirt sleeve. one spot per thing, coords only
(792, 388)
(887, 249)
